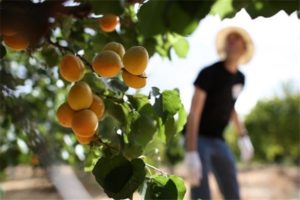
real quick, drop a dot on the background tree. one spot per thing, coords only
(274, 127)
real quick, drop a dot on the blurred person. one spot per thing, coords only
(217, 88)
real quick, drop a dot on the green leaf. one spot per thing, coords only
(196, 9)
(95, 82)
(107, 7)
(223, 8)
(155, 91)
(144, 127)
(181, 47)
(165, 187)
(184, 23)
(132, 150)
(138, 100)
(266, 8)
(118, 176)
(181, 120)
(171, 101)
(151, 24)
(170, 128)
(179, 183)
(116, 110)
(117, 85)
(108, 131)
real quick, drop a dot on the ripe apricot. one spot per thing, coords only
(64, 115)
(84, 140)
(116, 47)
(135, 60)
(84, 123)
(80, 96)
(97, 106)
(16, 42)
(107, 64)
(71, 68)
(109, 22)
(134, 81)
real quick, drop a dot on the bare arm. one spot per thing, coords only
(198, 100)
(241, 130)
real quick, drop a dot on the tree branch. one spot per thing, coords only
(67, 49)
(156, 169)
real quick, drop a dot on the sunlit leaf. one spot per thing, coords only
(181, 47)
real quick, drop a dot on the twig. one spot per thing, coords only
(67, 49)
(156, 169)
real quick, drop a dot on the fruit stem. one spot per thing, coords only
(156, 169)
(63, 48)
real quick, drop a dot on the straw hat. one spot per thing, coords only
(221, 39)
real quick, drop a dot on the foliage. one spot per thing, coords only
(134, 124)
(274, 128)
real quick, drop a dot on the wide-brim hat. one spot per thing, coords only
(221, 41)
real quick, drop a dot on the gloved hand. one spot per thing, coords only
(194, 168)
(246, 148)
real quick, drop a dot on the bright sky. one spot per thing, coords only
(276, 59)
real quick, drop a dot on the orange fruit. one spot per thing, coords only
(80, 96)
(134, 81)
(115, 47)
(71, 68)
(97, 106)
(108, 22)
(16, 42)
(64, 115)
(84, 123)
(107, 64)
(84, 140)
(136, 60)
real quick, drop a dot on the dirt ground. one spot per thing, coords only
(257, 183)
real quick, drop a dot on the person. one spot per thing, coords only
(217, 88)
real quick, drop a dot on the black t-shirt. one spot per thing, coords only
(222, 88)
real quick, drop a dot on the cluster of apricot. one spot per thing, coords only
(113, 59)
(83, 109)
(13, 38)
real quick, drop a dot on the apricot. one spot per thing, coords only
(80, 96)
(134, 81)
(71, 68)
(97, 106)
(136, 60)
(107, 64)
(64, 115)
(115, 47)
(84, 123)
(108, 22)
(84, 140)
(16, 42)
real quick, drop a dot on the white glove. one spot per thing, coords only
(246, 148)
(194, 168)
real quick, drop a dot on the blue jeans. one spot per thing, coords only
(216, 156)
